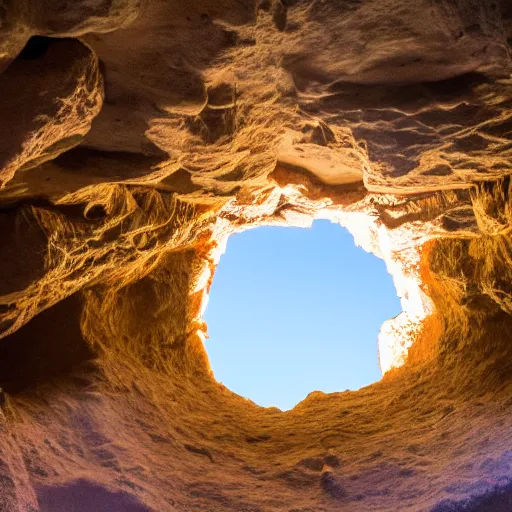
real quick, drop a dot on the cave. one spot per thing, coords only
(138, 136)
(36, 47)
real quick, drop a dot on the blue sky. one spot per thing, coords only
(296, 310)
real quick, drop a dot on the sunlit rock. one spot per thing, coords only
(49, 97)
(138, 136)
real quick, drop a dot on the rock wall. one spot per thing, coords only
(137, 135)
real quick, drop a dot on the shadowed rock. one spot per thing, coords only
(130, 155)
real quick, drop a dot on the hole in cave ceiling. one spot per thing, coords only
(295, 310)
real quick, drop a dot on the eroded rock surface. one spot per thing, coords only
(138, 135)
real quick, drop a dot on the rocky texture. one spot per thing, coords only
(137, 136)
(43, 116)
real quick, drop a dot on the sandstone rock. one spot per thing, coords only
(47, 104)
(389, 117)
(21, 20)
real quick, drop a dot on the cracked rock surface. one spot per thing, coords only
(137, 135)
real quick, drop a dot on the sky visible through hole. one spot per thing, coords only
(295, 310)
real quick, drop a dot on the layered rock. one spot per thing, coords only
(137, 136)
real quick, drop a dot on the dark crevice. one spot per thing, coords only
(97, 212)
(349, 97)
(35, 48)
(85, 156)
(454, 86)
(460, 84)
(48, 346)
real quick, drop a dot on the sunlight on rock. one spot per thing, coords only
(139, 137)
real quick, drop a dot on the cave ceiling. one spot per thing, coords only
(137, 135)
